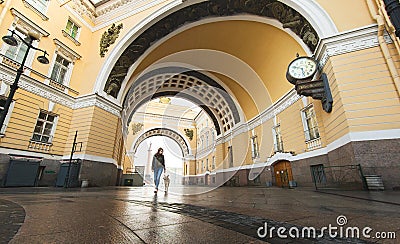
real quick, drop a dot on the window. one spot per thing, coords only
(278, 143)
(17, 53)
(45, 127)
(207, 164)
(40, 5)
(213, 162)
(72, 29)
(60, 70)
(254, 147)
(318, 174)
(230, 156)
(310, 123)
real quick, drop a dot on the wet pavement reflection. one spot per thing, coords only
(222, 215)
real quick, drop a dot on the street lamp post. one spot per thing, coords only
(10, 40)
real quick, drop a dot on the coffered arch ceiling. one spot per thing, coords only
(185, 83)
(177, 137)
(265, 47)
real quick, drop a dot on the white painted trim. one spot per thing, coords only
(122, 44)
(351, 137)
(46, 91)
(349, 41)
(29, 153)
(107, 20)
(91, 158)
(77, 16)
(7, 119)
(315, 14)
(98, 101)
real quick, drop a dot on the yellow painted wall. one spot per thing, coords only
(243, 97)
(97, 130)
(292, 130)
(347, 14)
(368, 93)
(23, 120)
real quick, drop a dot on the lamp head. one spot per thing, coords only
(43, 59)
(10, 40)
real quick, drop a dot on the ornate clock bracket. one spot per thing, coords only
(317, 89)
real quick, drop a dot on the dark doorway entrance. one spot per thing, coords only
(22, 172)
(283, 173)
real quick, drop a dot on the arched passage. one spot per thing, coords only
(163, 132)
(190, 84)
(289, 18)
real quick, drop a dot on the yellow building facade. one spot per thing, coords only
(108, 59)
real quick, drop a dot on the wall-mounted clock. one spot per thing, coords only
(301, 68)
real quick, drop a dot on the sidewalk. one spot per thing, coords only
(222, 215)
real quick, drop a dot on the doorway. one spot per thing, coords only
(283, 173)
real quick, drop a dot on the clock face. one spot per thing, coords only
(302, 68)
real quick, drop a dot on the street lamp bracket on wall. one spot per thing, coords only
(10, 40)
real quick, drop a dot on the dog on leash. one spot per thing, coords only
(166, 182)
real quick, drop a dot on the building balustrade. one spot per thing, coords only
(41, 146)
(15, 65)
(313, 144)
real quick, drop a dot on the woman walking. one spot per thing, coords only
(158, 166)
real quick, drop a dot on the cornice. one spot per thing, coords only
(105, 15)
(28, 22)
(28, 5)
(36, 87)
(98, 101)
(39, 88)
(347, 42)
(66, 50)
(283, 103)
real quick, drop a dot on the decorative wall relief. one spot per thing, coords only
(189, 133)
(136, 127)
(108, 38)
(208, 9)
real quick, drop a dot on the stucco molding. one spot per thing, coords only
(98, 101)
(28, 24)
(283, 103)
(46, 91)
(105, 15)
(36, 87)
(347, 42)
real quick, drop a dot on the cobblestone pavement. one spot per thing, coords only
(223, 215)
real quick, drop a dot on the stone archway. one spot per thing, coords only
(289, 18)
(178, 138)
(182, 82)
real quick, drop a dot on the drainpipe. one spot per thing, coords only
(384, 47)
(4, 10)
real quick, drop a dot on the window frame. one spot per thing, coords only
(277, 137)
(313, 118)
(74, 24)
(66, 77)
(45, 122)
(33, 5)
(255, 152)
